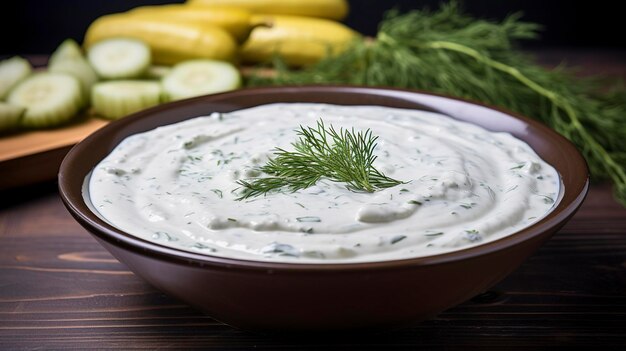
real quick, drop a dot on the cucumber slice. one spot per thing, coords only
(119, 58)
(69, 50)
(10, 116)
(50, 99)
(116, 99)
(200, 77)
(81, 70)
(69, 59)
(12, 71)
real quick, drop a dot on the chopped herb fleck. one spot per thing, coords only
(473, 235)
(519, 166)
(218, 192)
(548, 200)
(434, 234)
(308, 219)
(201, 246)
(511, 189)
(467, 206)
(397, 239)
(280, 249)
(163, 235)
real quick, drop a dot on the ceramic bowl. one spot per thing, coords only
(264, 296)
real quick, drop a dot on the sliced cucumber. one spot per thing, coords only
(81, 70)
(120, 58)
(12, 71)
(68, 58)
(200, 77)
(116, 99)
(69, 50)
(50, 99)
(10, 116)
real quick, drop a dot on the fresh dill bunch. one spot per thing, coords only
(449, 52)
(341, 156)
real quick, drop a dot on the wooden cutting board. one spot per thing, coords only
(34, 156)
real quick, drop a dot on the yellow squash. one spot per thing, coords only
(170, 42)
(237, 22)
(298, 40)
(331, 9)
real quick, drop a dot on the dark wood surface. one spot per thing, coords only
(59, 289)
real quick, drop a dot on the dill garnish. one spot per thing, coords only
(341, 156)
(449, 52)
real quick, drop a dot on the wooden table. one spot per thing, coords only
(60, 290)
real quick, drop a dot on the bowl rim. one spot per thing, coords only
(71, 194)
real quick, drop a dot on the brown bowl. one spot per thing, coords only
(266, 296)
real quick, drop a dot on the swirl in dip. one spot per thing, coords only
(176, 186)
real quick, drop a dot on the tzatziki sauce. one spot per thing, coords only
(463, 186)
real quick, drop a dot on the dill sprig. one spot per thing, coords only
(341, 156)
(449, 52)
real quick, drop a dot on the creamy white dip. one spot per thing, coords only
(465, 186)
